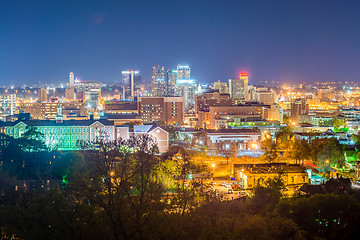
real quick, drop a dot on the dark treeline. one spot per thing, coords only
(125, 190)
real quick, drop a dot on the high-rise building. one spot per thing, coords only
(238, 88)
(222, 87)
(131, 81)
(71, 79)
(158, 82)
(42, 94)
(183, 72)
(187, 89)
(166, 109)
(299, 107)
(171, 80)
(8, 103)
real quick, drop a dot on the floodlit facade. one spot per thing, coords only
(131, 81)
(63, 134)
(187, 89)
(238, 88)
(158, 82)
(165, 109)
(8, 103)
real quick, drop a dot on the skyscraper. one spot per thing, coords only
(171, 80)
(238, 88)
(131, 81)
(183, 72)
(158, 82)
(71, 79)
(186, 88)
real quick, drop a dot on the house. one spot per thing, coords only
(156, 132)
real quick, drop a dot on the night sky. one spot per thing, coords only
(289, 41)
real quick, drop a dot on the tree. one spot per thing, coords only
(338, 124)
(325, 216)
(228, 150)
(271, 151)
(299, 150)
(120, 178)
(267, 194)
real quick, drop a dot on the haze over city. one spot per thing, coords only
(286, 41)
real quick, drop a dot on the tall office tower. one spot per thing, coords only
(222, 87)
(158, 82)
(186, 88)
(71, 79)
(8, 103)
(131, 81)
(42, 94)
(238, 88)
(183, 72)
(299, 107)
(171, 80)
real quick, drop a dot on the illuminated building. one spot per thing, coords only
(222, 87)
(187, 89)
(70, 93)
(71, 80)
(48, 110)
(156, 132)
(238, 88)
(165, 109)
(86, 85)
(250, 175)
(158, 82)
(92, 98)
(299, 107)
(8, 103)
(63, 134)
(121, 107)
(204, 100)
(171, 80)
(183, 72)
(209, 97)
(131, 82)
(231, 112)
(266, 98)
(326, 93)
(42, 94)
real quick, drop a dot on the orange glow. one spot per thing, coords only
(242, 74)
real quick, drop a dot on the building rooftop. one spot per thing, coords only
(271, 168)
(54, 123)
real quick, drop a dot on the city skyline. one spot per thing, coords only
(284, 41)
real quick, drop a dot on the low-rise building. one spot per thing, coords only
(64, 134)
(156, 132)
(252, 175)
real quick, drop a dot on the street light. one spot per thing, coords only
(254, 146)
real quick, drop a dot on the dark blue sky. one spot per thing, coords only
(294, 41)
